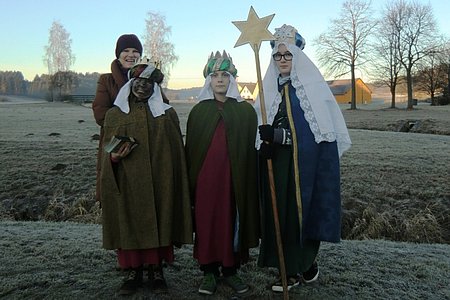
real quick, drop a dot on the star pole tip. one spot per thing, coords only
(254, 30)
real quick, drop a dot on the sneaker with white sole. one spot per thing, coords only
(312, 274)
(237, 284)
(208, 285)
(291, 282)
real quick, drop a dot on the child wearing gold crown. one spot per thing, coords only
(305, 136)
(221, 160)
(144, 190)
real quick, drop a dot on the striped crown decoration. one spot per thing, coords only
(219, 62)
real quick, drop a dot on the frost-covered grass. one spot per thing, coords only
(46, 260)
(395, 186)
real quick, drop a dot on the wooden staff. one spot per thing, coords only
(272, 187)
(253, 31)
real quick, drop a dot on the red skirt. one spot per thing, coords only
(136, 258)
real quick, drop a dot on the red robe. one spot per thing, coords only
(214, 206)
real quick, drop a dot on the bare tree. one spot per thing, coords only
(342, 47)
(387, 66)
(415, 26)
(432, 70)
(65, 82)
(157, 45)
(58, 53)
(446, 61)
(12, 83)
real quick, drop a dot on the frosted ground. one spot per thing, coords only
(396, 209)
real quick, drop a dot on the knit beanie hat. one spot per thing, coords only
(128, 41)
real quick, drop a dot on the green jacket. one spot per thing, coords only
(240, 125)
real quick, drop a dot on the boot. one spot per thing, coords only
(156, 277)
(132, 282)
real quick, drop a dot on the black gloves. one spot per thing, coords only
(266, 151)
(280, 136)
(266, 132)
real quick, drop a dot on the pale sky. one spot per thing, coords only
(198, 28)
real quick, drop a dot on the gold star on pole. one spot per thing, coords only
(254, 30)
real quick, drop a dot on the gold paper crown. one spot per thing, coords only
(143, 68)
(224, 55)
(147, 61)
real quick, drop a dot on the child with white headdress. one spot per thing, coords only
(305, 136)
(146, 208)
(221, 160)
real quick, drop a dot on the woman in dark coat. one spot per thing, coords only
(128, 51)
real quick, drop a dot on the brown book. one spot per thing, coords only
(117, 141)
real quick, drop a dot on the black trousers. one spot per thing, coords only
(216, 268)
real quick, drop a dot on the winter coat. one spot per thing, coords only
(108, 86)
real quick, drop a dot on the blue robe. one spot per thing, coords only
(310, 207)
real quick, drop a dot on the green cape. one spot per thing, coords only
(241, 125)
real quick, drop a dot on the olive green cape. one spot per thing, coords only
(145, 201)
(240, 125)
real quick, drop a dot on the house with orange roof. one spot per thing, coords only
(342, 91)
